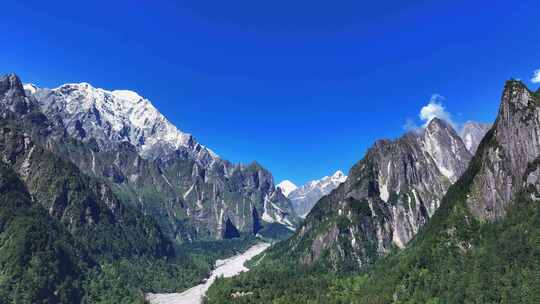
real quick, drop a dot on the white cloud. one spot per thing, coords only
(435, 108)
(410, 125)
(536, 77)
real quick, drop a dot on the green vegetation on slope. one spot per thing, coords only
(86, 206)
(39, 260)
(456, 258)
(71, 240)
(125, 280)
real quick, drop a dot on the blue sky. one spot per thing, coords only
(303, 87)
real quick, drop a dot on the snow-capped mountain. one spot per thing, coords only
(286, 187)
(112, 117)
(305, 197)
(121, 137)
(472, 134)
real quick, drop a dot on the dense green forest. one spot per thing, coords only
(125, 280)
(479, 263)
(42, 262)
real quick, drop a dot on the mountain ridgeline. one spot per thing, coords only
(120, 137)
(388, 196)
(103, 199)
(480, 245)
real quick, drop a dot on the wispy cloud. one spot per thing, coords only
(410, 125)
(433, 109)
(536, 77)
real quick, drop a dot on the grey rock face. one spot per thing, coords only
(472, 134)
(388, 196)
(513, 145)
(12, 95)
(305, 197)
(150, 164)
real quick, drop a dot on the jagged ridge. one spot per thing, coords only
(386, 199)
(151, 165)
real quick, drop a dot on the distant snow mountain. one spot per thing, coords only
(305, 197)
(472, 134)
(286, 187)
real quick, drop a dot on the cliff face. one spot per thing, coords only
(388, 196)
(514, 144)
(12, 95)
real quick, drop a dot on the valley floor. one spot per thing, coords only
(224, 268)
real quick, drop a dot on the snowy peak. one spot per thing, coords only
(189, 190)
(306, 196)
(30, 88)
(472, 133)
(286, 187)
(331, 181)
(112, 117)
(339, 175)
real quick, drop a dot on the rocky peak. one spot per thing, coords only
(508, 150)
(387, 197)
(446, 149)
(12, 94)
(11, 83)
(436, 124)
